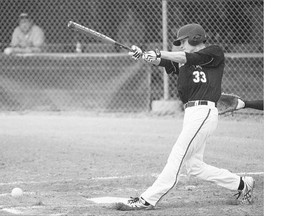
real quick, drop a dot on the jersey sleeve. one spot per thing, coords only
(210, 56)
(170, 66)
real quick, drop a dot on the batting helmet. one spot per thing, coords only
(194, 32)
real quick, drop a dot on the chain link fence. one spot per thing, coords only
(76, 72)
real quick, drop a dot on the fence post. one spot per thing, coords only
(165, 47)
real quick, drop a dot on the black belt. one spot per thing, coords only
(196, 103)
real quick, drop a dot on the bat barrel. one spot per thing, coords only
(93, 33)
(71, 24)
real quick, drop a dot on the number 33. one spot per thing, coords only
(199, 76)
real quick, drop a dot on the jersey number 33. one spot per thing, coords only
(199, 76)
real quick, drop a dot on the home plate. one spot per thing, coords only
(108, 200)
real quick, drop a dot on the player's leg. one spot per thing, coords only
(194, 120)
(222, 177)
(194, 160)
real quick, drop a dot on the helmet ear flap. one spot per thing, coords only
(196, 39)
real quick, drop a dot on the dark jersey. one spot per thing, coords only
(200, 77)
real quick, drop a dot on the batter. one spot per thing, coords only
(200, 70)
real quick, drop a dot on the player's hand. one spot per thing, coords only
(149, 56)
(136, 53)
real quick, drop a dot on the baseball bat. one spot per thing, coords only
(95, 34)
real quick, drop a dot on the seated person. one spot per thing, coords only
(27, 37)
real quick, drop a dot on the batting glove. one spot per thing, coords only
(151, 56)
(136, 53)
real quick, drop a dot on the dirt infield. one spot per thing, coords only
(61, 161)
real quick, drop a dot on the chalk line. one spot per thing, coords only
(24, 193)
(29, 211)
(155, 175)
(71, 180)
(108, 200)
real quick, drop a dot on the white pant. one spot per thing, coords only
(199, 123)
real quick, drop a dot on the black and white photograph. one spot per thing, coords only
(133, 107)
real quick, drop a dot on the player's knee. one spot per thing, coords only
(195, 166)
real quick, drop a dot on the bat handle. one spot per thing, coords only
(123, 46)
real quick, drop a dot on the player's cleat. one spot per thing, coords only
(134, 203)
(247, 192)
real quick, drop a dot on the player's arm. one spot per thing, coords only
(180, 57)
(151, 57)
(156, 56)
(254, 104)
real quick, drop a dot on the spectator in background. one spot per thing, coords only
(27, 37)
